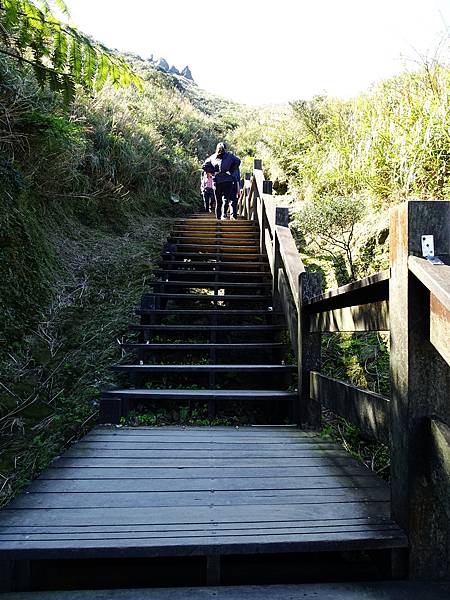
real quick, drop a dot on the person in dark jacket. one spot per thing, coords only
(235, 192)
(223, 164)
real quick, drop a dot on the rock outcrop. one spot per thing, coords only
(163, 65)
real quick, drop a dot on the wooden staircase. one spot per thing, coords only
(208, 330)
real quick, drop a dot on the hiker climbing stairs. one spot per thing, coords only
(208, 328)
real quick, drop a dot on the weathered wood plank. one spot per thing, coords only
(308, 359)
(201, 546)
(271, 482)
(204, 463)
(440, 327)
(440, 462)
(436, 278)
(365, 317)
(344, 524)
(292, 263)
(81, 450)
(197, 498)
(258, 513)
(364, 291)
(176, 473)
(289, 309)
(381, 590)
(370, 412)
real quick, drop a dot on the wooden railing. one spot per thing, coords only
(411, 300)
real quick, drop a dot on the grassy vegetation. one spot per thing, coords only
(87, 196)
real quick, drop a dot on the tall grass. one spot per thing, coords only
(390, 143)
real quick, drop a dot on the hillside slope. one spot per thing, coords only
(87, 195)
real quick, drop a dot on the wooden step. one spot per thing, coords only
(218, 248)
(206, 232)
(216, 222)
(213, 240)
(234, 368)
(145, 394)
(216, 266)
(192, 272)
(225, 328)
(242, 346)
(209, 284)
(208, 312)
(215, 297)
(232, 255)
(378, 590)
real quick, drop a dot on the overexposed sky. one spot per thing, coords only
(260, 52)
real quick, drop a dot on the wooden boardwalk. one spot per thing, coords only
(151, 492)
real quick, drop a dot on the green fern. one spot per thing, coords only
(60, 55)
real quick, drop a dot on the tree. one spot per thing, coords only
(329, 224)
(60, 55)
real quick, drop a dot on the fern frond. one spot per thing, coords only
(29, 25)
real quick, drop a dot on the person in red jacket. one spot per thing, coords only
(222, 164)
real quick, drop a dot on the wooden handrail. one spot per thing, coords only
(412, 301)
(436, 278)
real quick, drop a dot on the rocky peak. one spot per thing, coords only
(163, 65)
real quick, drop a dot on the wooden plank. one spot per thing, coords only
(213, 297)
(272, 482)
(178, 473)
(93, 450)
(232, 542)
(440, 327)
(151, 533)
(292, 263)
(366, 317)
(258, 513)
(235, 368)
(440, 461)
(208, 284)
(271, 462)
(154, 394)
(436, 278)
(370, 412)
(308, 413)
(364, 291)
(381, 590)
(341, 525)
(205, 346)
(195, 498)
(289, 309)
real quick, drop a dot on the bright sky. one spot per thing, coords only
(258, 52)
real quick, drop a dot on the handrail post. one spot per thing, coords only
(245, 204)
(266, 189)
(281, 220)
(308, 411)
(420, 381)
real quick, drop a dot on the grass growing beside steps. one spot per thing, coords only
(50, 380)
(361, 359)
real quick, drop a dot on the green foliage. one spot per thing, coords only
(60, 55)
(361, 359)
(388, 144)
(329, 223)
(192, 415)
(85, 206)
(374, 455)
